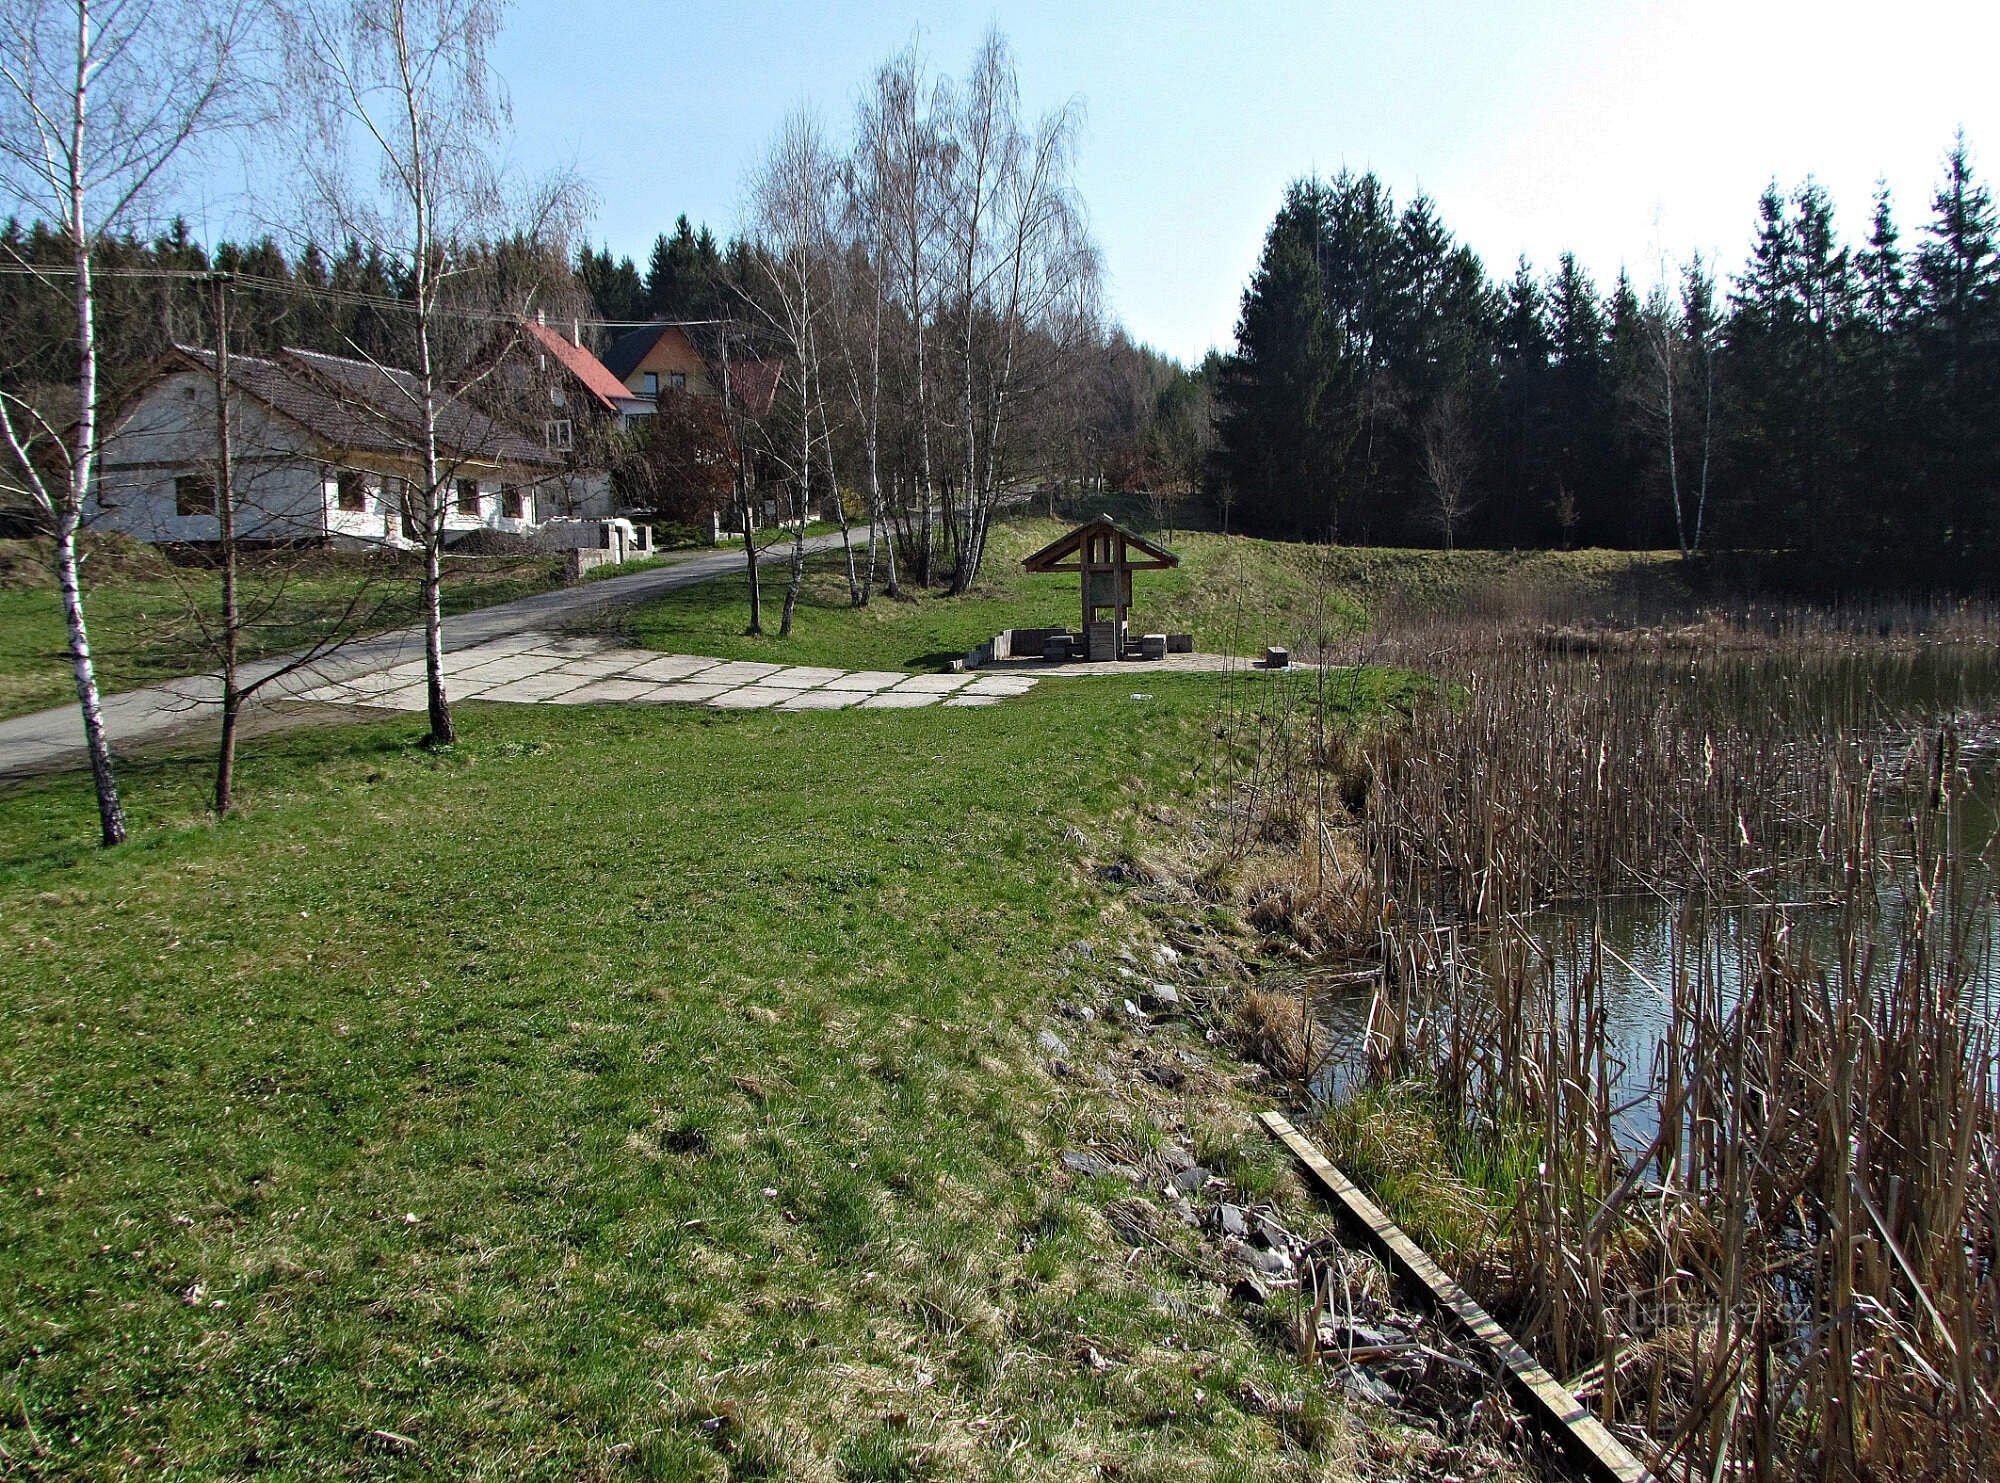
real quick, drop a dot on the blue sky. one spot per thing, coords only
(1616, 128)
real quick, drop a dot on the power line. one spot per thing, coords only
(342, 295)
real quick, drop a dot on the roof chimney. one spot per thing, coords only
(576, 332)
(540, 318)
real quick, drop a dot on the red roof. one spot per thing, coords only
(756, 382)
(581, 364)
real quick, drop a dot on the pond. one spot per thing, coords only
(1887, 697)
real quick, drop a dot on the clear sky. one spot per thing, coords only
(1615, 128)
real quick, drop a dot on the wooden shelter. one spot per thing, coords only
(1103, 553)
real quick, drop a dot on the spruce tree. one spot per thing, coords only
(1957, 292)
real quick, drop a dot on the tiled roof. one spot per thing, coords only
(580, 363)
(354, 404)
(756, 383)
(623, 355)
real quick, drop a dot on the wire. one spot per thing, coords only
(342, 295)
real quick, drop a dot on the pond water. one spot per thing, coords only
(1887, 696)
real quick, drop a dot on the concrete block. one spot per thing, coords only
(934, 684)
(750, 698)
(866, 680)
(741, 672)
(685, 692)
(900, 700)
(800, 677)
(821, 700)
(672, 667)
(603, 692)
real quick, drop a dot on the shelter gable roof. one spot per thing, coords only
(1048, 559)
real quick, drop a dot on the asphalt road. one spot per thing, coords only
(53, 739)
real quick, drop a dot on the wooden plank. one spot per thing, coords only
(1581, 1434)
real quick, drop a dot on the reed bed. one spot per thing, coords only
(1772, 1248)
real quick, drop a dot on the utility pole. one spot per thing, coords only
(225, 516)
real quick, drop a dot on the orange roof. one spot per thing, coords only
(581, 364)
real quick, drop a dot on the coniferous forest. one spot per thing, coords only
(1834, 402)
(1828, 409)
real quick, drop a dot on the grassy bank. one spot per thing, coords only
(146, 615)
(1234, 594)
(648, 1092)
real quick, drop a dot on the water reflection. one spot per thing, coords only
(1648, 938)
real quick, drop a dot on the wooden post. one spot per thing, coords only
(1586, 1439)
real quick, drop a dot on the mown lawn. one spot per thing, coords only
(147, 619)
(642, 1092)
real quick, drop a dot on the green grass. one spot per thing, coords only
(644, 1092)
(144, 623)
(1234, 594)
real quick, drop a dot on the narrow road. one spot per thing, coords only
(50, 739)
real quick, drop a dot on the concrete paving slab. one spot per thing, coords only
(673, 667)
(409, 698)
(532, 688)
(1000, 685)
(866, 680)
(741, 671)
(606, 692)
(750, 697)
(686, 691)
(503, 671)
(934, 684)
(821, 700)
(598, 665)
(963, 700)
(510, 643)
(576, 645)
(899, 700)
(801, 677)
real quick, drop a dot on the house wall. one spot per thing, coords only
(171, 433)
(288, 488)
(670, 353)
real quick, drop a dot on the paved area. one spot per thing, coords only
(538, 668)
(1080, 669)
(54, 738)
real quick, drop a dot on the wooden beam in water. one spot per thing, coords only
(1581, 1434)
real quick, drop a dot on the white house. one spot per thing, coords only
(324, 448)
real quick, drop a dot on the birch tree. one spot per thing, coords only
(1040, 299)
(404, 113)
(796, 195)
(100, 100)
(902, 164)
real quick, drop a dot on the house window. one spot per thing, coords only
(556, 394)
(678, 380)
(511, 504)
(194, 494)
(350, 491)
(468, 497)
(652, 379)
(560, 437)
(398, 503)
